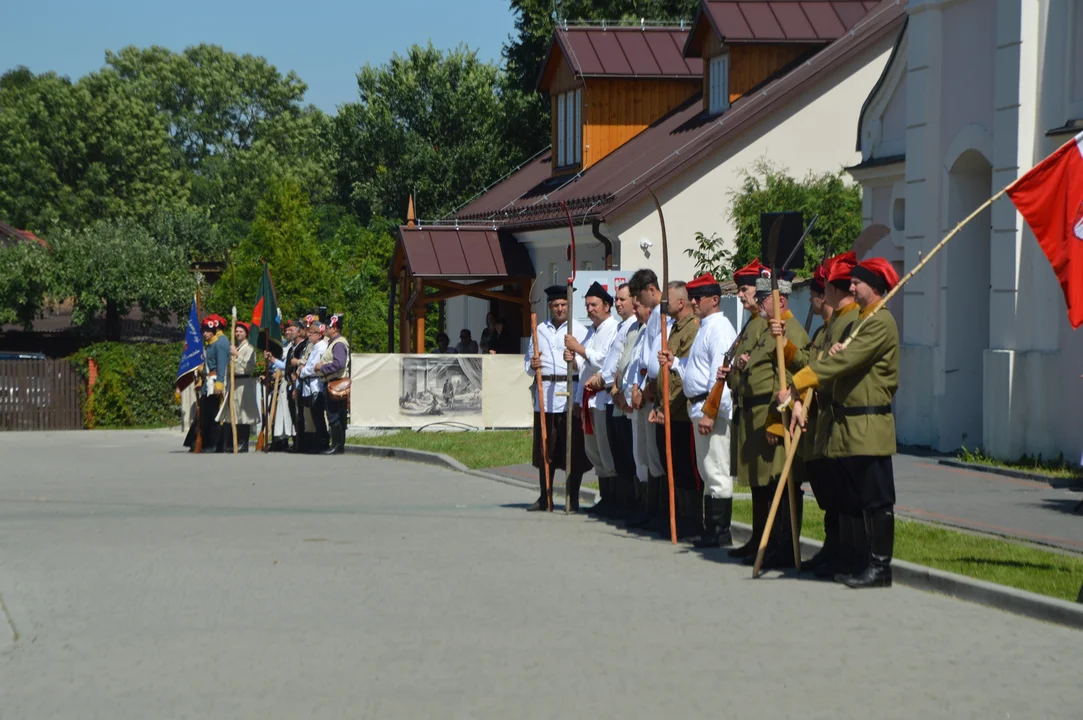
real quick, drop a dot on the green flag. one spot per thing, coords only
(266, 320)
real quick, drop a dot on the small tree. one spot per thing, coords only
(25, 275)
(769, 188)
(711, 255)
(115, 265)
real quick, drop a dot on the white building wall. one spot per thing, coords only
(814, 133)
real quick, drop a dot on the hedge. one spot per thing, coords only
(135, 386)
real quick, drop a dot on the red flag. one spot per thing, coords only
(1050, 199)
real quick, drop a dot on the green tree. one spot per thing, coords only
(284, 235)
(359, 258)
(115, 265)
(769, 188)
(427, 123)
(25, 275)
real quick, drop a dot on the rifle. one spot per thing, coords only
(714, 398)
(269, 422)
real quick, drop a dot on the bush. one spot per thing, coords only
(135, 386)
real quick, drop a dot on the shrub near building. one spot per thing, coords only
(135, 385)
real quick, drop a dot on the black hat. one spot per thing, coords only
(556, 292)
(596, 290)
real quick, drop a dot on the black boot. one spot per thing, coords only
(660, 524)
(338, 441)
(717, 520)
(880, 528)
(648, 506)
(244, 432)
(689, 514)
(625, 489)
(761, 508)
(823, 562)
(542, 503)
(571, 489)
(852, 534)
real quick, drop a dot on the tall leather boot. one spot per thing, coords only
(880, 527)
(717, 517)
(602, 507)
(244, 432)
(660, 523)
(571, 488)
(823, 561)
(338, 441)
(689, 514)
(761, 508)
(779, 554)
(542, 503)
(855, 541)
(648, 506)
(625, 493)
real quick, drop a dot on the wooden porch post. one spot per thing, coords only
(404, 317)
(419, 318)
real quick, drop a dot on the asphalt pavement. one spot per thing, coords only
(142, 582)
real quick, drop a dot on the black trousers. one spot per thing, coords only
(336, 414)
(866, 483)
(317, 404)
(210, 430)
(685, 475)
(822, 479)
(620, 442)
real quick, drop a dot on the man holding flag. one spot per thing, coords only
(191, 360)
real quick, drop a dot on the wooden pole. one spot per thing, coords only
(271, 419)
(232, 378)
(664, 372)
(571, 366)
(541, 415)
(788, 442)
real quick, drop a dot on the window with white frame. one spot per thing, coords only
(719, 90)
(569, 128)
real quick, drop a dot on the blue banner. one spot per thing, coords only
(192, 357)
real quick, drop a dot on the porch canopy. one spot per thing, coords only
(452, 262)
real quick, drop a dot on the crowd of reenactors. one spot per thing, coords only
(726, 410)
(308, 414)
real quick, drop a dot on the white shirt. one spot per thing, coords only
(280, 365)
(697, 371)
(598, 343)
(551, 348)
(609, 365)
(653, 368)
(311, 383)
(632, 376)
(643, 360)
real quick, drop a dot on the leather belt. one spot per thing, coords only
(858, 410)
(750, 401)
(698, 398)
(559, 378)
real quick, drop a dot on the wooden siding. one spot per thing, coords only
(617, 110)
(750, 65)
(561, 78)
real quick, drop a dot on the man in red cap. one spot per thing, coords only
(712, 435)
(862, 380)
(214, 372)
(831, 299)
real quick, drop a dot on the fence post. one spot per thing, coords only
(92, 379)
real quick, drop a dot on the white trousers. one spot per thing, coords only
(597, 445)
(713, 459)
(639, 446)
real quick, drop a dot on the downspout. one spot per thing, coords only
(595, 228)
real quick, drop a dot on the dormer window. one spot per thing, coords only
(719, 91)
(569, 128)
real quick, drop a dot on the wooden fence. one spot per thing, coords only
(40, 395)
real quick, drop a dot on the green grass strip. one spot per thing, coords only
(476, 450)
(978, 556)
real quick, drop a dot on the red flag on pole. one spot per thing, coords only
(1050, 199)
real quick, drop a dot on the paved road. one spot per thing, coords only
(985, 502)
(284, 587)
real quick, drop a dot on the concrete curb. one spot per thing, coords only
(1002, 597)
(450, 463)
(1008, 472)
(919, 577)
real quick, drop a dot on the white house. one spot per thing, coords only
(976, 93)
(681, 110)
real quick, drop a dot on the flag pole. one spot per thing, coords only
(233, 345)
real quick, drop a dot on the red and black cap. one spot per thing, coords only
(749, 274)
(877, 273)
(704, 286)
(840, 268)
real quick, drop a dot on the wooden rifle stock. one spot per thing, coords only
(714, 398)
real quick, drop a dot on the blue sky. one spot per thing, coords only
(323, 41)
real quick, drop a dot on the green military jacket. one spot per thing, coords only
(760, 463)
(808, 450)
(862, 380)
(679, 341)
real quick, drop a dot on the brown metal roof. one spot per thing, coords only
(463, 253)
(652, 52)
(531, 197)
(775, 21)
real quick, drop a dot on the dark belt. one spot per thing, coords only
(698, 398)
(559, 378)
(747, 402)
(858, 410)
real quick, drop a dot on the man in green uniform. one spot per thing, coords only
(687, 492)
(863, 378)
(769, 449)
(832, 299)
(215, 372)
(743, 407)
